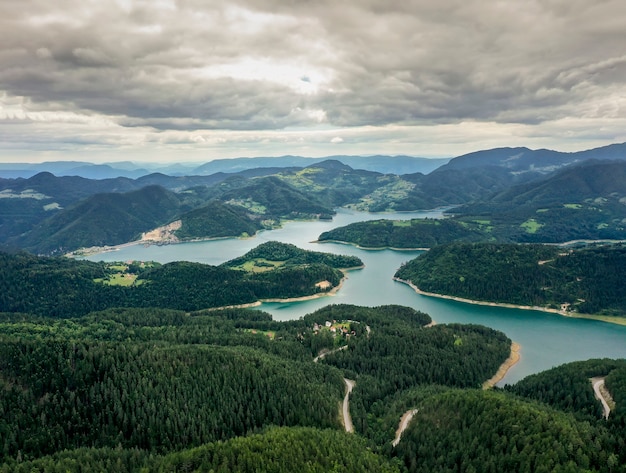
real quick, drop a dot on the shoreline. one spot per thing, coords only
(511, 361)
(367, 248)
(574, 315)
(96, 250)
(311, 297)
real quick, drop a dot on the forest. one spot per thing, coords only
(414, 233)
(585, 280)
(125, 367)
(233, 390)
(61, 287)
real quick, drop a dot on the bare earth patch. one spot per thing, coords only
(164, 234)
(513, 358)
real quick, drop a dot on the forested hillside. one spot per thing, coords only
(127, 389)
(103, 219)
(482, 431)
(273, 254)
(67, 288)
(216, 220)
(588, 280)
(277, 450)
(586, 201)
(414, 233)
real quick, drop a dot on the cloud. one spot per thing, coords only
(336, 140)
(266, 65)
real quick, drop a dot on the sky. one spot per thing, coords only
(195, 80)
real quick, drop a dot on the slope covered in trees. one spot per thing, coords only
(127, 389)
(277, 450)
(102, 219)
(587, 280)
(414, 233)
(483, 431)
(216, 220)
(273, 254)
(66, 288)
(568, 387)
(586, 201)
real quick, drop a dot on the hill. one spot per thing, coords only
(524, 160)
(67, 288)
(414, 233)
(273, 254)
(216, 220)
(586, 201)
(380, 164)
(585, 280)
(270, 197)
(103, 219)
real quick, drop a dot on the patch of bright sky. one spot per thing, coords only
(300, 78)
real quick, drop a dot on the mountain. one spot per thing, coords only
(103, 219)
(73, 168)
(379, 163)
(586, 201)
(270, 197)
(520, 160)
(334, 183)
(216, 220)
(128, 169)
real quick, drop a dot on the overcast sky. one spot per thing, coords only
(193, 80)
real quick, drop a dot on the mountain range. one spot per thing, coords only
(541, 195)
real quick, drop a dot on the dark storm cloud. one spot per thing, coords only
(247, 65)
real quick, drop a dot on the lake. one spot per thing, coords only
(546, 339)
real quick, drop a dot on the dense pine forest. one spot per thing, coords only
(588, 280)
(414, 233)
(167, 390)
(128, 367)
(66, 288)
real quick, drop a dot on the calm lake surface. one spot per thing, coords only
(547, 340)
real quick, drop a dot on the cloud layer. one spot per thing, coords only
(267, 76)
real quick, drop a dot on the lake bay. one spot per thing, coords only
(546, 339)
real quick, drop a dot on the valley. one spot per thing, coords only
(235, 337)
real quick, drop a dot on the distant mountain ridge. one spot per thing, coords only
(379, 163)
(520, 160)
(46, 213)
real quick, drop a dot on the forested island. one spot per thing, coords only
(580, 281)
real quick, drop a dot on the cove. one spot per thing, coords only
(547, 340)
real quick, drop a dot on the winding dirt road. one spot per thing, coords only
(347, 419)
(404, 423)
(329, 352)
(598, 384)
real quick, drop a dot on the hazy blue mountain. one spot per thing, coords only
(73, 168)
(382, 164)
(519, 160)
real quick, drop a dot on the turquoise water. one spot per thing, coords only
(547, 340)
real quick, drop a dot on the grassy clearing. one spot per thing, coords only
(573, 206)
(118, 279)
(268, 333)
(259, 265)
(250, 205)
(401, 223)
(531, 225)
